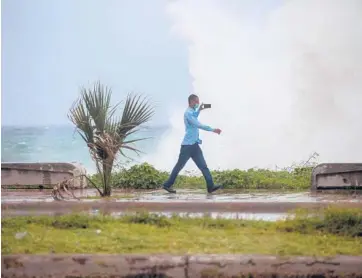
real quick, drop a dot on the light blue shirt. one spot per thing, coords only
(192, 126)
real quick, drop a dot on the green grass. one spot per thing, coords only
(147, 233)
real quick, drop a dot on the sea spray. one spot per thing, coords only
(284, 80)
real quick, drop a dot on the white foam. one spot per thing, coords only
(284, 81)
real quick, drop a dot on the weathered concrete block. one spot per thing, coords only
(217, 266)
(93, 266)
(205, 266)
(42, 174)
(337, 176)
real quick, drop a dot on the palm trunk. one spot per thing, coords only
(107, 174)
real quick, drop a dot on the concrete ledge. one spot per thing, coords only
(104, 206)
(337, 176)
(178, 266)
(43, 175)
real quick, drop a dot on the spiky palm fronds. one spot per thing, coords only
(105, 134)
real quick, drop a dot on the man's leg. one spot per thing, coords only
(185, 154)
(198, 158)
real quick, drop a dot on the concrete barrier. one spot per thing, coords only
(42, 175)
(194, 266)
(337, 176)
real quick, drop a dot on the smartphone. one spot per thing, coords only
(207, 105)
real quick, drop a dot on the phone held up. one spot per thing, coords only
(206, 106)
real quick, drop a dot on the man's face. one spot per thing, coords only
(195, 101)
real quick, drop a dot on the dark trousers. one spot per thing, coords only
(187, 152)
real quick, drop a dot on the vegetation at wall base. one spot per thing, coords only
(145, 176)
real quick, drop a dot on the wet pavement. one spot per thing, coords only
(184, 195)
(257, 205)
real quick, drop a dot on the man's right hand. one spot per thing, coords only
(217, 130)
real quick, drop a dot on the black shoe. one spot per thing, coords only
(216, 187)
(169, 190)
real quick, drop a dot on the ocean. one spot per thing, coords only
(62, 144)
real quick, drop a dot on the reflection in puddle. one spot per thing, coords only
(215, 215)
(224, 215)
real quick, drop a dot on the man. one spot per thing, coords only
(190, 146)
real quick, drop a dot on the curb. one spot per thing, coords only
(89, 265)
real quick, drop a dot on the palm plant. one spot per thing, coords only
(105, 133)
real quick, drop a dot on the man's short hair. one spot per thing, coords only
(192, 97)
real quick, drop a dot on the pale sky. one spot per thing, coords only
(51, 48)
(284, 76)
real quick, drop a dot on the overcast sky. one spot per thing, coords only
(283, 76)
(51, 48)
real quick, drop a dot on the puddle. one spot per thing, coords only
(15, 196)
(224, 215)
(273, 197)
(215, 215)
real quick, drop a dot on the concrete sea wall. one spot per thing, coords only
(337, 176)
(41, 175)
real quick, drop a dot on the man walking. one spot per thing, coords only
(190, 146)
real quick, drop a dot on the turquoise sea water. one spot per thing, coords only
(59, 144)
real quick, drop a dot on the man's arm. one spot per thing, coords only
(197, 113)
(192, 119)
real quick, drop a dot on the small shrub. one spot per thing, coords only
(262, 179)
(142, 176)
(70, 221)
(345, 222)
(147, 218)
